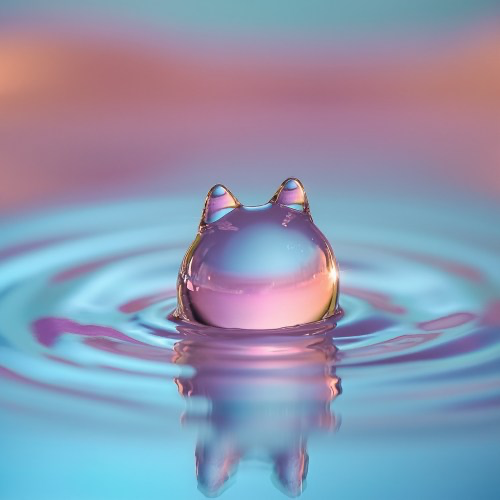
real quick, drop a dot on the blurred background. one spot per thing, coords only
(107, 98)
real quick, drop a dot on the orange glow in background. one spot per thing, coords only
(91, 112)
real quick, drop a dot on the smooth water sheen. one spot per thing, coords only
(103, 396)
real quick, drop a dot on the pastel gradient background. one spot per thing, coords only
(102, 97)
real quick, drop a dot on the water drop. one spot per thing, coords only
(258, 267)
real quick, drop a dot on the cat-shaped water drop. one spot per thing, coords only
(261, 267)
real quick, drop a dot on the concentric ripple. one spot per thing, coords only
(86, 294)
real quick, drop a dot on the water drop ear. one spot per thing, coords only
(291, 194)
(219, 202)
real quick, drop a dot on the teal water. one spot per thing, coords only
(102, 396)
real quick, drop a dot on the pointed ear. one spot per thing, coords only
(292, 194)
(219, 202)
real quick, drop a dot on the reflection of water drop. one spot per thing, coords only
(258, 267)
(267, 395)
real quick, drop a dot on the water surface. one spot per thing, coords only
(103, 396)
